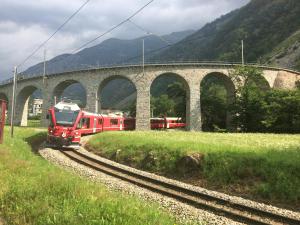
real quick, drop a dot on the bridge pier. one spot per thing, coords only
(193, 109)
(92, 100)
(47, 103)
(143, 108)
(21, 111)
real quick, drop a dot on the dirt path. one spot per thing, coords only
(85, 139)
(1, 221)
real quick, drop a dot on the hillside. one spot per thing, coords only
(110, 52)
(270, 30)
(287, 53)
(263, 25)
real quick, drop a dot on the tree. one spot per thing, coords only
(131, 109)
(213, 105)
(282, 111)
(162, 106)
(258, 109)
(247, 108)
(177, 92)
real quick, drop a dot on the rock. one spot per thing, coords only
(149, 161)
(116, 155)
(190, 163)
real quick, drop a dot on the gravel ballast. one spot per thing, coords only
(180, 210)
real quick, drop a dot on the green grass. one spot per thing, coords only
(32, 191)
(262, 166)
(34, 123)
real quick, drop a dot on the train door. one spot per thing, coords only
(85, 125)
(121, 124)
(100, 124)
(166, 123)
(95, 125)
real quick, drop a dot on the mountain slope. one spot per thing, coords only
(262, 24)
(270, 30)
(112, 51)
(287, 53)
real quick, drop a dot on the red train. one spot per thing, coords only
(67, 123)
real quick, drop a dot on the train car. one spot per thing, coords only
(157, 123)
(129, 123)
(63, 120)
(67, 123)
(167, 123)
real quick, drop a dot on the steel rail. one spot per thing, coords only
(236, 211)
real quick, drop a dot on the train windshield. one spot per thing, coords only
(65, 117)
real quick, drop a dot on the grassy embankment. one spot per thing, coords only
(32, 191)
(34, 123)
(260, 166)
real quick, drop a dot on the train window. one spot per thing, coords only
(100, 121)
(87, 122)
(50, 120)
(114, 122)
(80, 123)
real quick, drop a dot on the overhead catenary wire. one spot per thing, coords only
(55, 32)
(159, 49)
(145, 30)
(114, 27)
(150, 33)
(108, 31)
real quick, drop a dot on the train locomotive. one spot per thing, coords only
(67, 123)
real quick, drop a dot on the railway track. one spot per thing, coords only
(235, 211)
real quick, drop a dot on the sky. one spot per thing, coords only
(24, 25)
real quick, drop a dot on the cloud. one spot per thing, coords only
(26, 24)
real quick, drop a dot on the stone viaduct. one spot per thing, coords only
(94, 80)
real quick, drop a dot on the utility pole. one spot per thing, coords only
(44, 73)
(12, 115)
(143, 56)
(243, 62)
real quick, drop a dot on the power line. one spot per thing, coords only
(129, 59)
(140, 27)
(149, 32)
(114, 27)
(111, 29)
(159, 49)
(56, 31)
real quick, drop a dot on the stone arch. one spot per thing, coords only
(116, 92)
(261, 82)
(22, 100)
(286, 80)
(223, 80)
(177, 78)
(77, 89)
